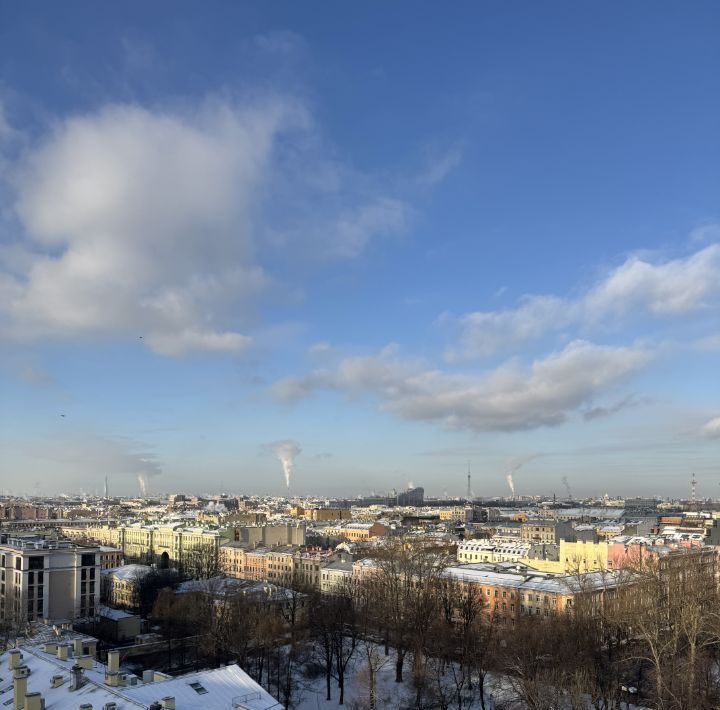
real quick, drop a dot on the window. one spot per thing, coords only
(198, 688)
(36, 562)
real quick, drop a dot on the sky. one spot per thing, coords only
(369, 243)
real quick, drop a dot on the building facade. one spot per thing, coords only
(47, 579)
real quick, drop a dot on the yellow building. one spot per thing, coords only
(161, 543)
(580, 556)
(121, 585)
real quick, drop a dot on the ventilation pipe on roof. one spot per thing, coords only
(34, 701)
(14, 658)
(76, 673)
(20, 676)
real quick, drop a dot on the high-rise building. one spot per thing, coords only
(47, 579)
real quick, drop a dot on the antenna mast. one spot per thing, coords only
(469, 492)
(693, 491)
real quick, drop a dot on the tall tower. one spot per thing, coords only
(693, 491)
(469, 491)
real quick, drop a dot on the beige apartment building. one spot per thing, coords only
(47, 579)
(161, 544)
(321, 514)
(357, 531)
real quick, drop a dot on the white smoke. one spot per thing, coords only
(515, 466)
(142, 482)
(216, 507)
(510, 482)
(286, 451)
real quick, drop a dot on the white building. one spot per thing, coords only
(492, 551)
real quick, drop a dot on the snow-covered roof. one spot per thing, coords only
(114, 614)
(128, 572)
(221, 688)
(527, 578)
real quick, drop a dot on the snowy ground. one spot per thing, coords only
(391, 695)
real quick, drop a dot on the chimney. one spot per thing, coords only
(76, 677)
(20, 675)
(34, 701)
(62, 651)
(168, 702)
(113, 661)
(14, 658)
(77, 647)
(51, 647)
(57, 680)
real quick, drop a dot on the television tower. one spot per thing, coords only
(469, 492)
(693, 490)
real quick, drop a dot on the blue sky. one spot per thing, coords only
(399, 236)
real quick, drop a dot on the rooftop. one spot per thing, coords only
(228, 687)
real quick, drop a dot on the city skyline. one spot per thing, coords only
(394, 241)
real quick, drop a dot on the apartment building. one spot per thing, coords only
(47, 579)
(545, 531)
(491, 551)
(285, 565)
(509, 590)
(110, 557)
(357, 531)
(160, 544)
(571, 556)
(335, 574)
(121, 585)
(321, 514)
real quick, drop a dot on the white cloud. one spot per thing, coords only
(636, 288)
(438, 168)
(508, 398)
(142, 222)
(349, 236)
(712, 428)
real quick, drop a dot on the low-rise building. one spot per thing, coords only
(491, 551)
(357, 531)
(121, 585)
(509, 591)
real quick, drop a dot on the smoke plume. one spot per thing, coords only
(286, 451)
(142, 482)
(510, 483)
(515, 465)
